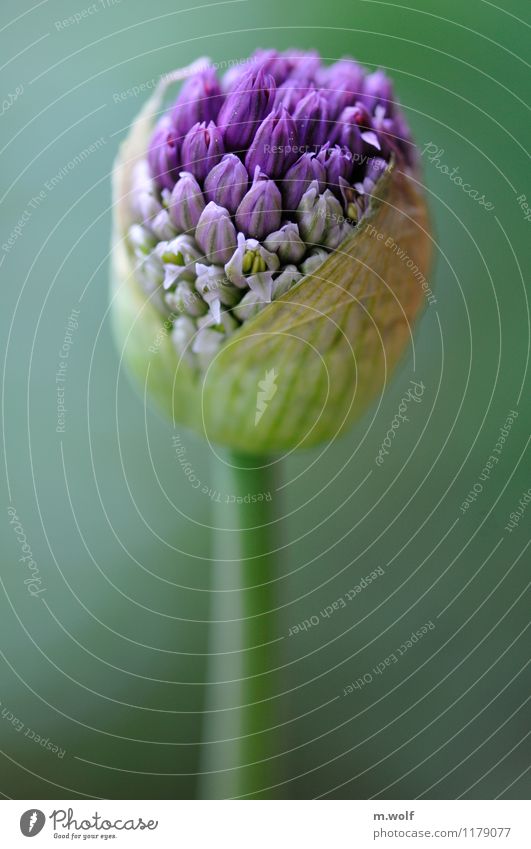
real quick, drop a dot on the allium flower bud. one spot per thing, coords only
(377, 89)
(163, 155)
(275, 145)
(348, 132)
(227, 183)
(162, 225)
(314, 261)
(186, 203)
(259, 212)
(213, 283)
(286, 243)
(304, 64)
(311, 215)
(146, 207)
(202, 149)
(178, 257)
(245, 108)
(256, 222)
(311, 120)
(249, 258)
(342, 85)
(142, 239)
(285, 281)
(250, 305)
(297, 179)
(206, 344)
(199, 101)
(215, 234)
(338, 163)
(290, 93)
(273, 62)
(184, 299)
(182, 336)
(337, 229)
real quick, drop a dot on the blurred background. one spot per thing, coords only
(102, 669)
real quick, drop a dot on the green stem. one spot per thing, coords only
(240, 704)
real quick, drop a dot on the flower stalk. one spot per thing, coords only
(241, 719)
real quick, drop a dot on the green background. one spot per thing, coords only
(112, 666)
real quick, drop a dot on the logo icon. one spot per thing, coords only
(32, 822)
(267, 389)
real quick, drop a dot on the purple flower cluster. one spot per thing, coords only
(250, 181)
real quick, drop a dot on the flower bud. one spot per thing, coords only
(199, 101)
(311, 120)
(259, 212)
(142, 239)
(249, 258)
(206, 344)
(314, 261)
(275, 146)
(337, 228)
(178, 257)
(273, 62)
(285, 281)
(202, 149)
(286, 243)
(215, 234)
(227, 183)
(338, 163)
(377, 89)
(304, 64)
(162, 225)
(212, 282)
(342, 83)
(290, 93)
(184, 299)
(186, 203)
(348, 132)
(297, 179)
(163, 155)
(311, 215)
(261, 284)
(250, 305)
(223, 280)
(145, 207)
(245, 108)
(182, 335)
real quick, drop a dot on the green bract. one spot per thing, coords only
(301, 370)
